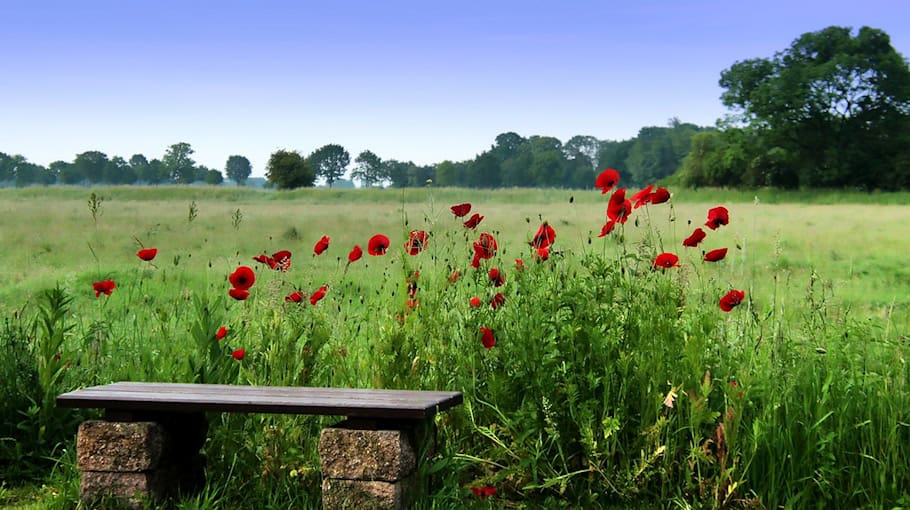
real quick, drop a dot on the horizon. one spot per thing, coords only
(405, 80)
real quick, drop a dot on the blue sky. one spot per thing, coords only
(412, 80)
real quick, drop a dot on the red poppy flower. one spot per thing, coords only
(483, 492)
(355, 254)
(544, 237)
(717, 216)
(731, 299)
(265, 259)
(147, 254)
(473, 221)
(618, 209)
(417, 242)
(642, 197)
(239, 354)
(319, 294)
(666, 260)
(542, 254)
(294, 297)
(412, 283)
(412, 303)
(697, 236)
(485, 247)
(221, 333)
(282, 260)
(487, 337)
(239, 294)
(321, 246)
(715, 255)
(454, 276)
(378, 245)
(497, 277)
(475, 302)
(461, 210)
(659, 196)
(606, 180)
(519, 265)
(498, 300)
(104, 287)
(607, 228)
(242, 278)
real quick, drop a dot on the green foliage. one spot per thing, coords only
(238, 169)
(178, 163)
(288, 170)
(329, 162)
(369, 169)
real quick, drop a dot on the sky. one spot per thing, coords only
(422, 81)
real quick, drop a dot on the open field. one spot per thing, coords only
(610, 383)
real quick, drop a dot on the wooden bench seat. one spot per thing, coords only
(147, 446)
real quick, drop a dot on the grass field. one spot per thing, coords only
(799, 397)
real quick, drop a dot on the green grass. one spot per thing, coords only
(805, 384)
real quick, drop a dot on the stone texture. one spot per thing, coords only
(363, 494)
(131, 490)
(119, 446)
(353, 454)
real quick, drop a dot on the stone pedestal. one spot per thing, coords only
(370, 465)
(144, 459)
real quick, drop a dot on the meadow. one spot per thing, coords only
(611, 383)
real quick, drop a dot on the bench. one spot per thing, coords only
(147, 447)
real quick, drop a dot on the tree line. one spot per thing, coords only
(832, 110)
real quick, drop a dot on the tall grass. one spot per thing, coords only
(611, 383)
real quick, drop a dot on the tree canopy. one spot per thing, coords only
(329, 162)
(238, 169)
(289, 170)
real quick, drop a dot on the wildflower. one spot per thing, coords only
(378, 245)
(242, 278)
(606, 180)
(239, 354)
(484, 492)
(497, 301)
(321, 246)
(147, 254)
(485, 247)
(461, 210)
(417, 241)
(666, 260)
(715, 255)
(319, 294)
(239, 294)
(542, 254)
(475, 302)
(487, 337)
(642, 197)
(454, 276)
(519, 265)
(717, 216)
(618, 208)
(265, 259)
(659, 196)
(473, 221)
(104, 287)
(607, 228)
(697, 236)
(282, 260)
(294, 297)
(731, 299)
(544, 237)
(355, 254)
(221, 333)
(497, 277)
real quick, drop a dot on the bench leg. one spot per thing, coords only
(137, 458)
(369, 464)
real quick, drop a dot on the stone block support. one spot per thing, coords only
(371, 464)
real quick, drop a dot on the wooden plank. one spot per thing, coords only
(174, 397)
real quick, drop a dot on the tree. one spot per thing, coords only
(580, 146)
(330, 162)
(834, 103)
(289, 170)
(90, 165)
(179, 165)
(213, 177)
(369, 170)
(141, 168)
(238, 169)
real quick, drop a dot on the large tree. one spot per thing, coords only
(836, 104)
(330, 162)
(289, 170)
(238, 169)
(90, 165)
(179, 164)
(369, 170)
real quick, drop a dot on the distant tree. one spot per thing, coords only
(580, 146)
(6, 167)
(90, 165)
(179, 164)
(369, 170)
(213, 177)
(289, 170)
(484, 172)
(141, 168)
(238, 169)
(329, 162)
(398, 172)
(118, 171)
(57, 169)
(836, 105)
(447, 174)
(157, 172)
